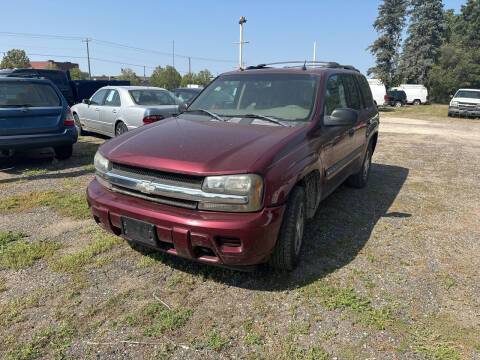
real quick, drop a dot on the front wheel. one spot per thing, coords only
(63, 152)
(398, 104)
(78, 125)
(360, 179)
(416, 102)
(289, 242)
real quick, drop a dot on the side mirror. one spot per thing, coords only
(86, 101)
(341, 117)
(182, 107)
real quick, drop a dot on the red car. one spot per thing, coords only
(232, 179)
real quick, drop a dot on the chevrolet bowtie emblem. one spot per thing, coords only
(145, 187)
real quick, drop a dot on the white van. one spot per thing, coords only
(378, 91)
(416, 94)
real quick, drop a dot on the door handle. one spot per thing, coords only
(114, 111)
(351, 132)
(97, 109)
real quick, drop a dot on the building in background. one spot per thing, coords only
(46, 64)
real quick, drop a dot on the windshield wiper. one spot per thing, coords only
(211, 114)
(261, 117)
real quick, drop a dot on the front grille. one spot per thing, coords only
(161, 177)
(467, 105)
(156, 198)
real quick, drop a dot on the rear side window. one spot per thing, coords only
(366, 92)
(334, 95)
(26, 94)
(354, 100)
(113, 98)
(152, 97)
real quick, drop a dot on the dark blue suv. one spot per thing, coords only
(34, 114)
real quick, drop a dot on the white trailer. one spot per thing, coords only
(378, 91)
(416, 94)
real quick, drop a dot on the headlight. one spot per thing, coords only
(454, 103)
(249, 185)
(102, 164)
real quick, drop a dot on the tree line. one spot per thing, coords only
(167, 77)
(441, 50)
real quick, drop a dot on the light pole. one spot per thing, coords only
(241, 42)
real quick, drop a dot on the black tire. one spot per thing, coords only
(289, 242)
(398, 104)
(416, 102)
(78, 125)
(120, 128)
(360, 179)
(63, 152)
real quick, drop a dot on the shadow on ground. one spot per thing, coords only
(333, 238)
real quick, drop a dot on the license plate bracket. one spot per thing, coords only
(139, 231)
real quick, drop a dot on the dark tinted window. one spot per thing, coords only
(366, 92)
(57, 77)
(97, 99)
(21, 93)
(113, 98)
(334, 95)
(354, 100)
(468, 94)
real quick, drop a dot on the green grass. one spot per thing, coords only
(3, 287)
(74, 262)
(16, 253)
(426, 112)
(215, 341)
(292, 351)
(11, 312)
(157, 319)
(64, 202)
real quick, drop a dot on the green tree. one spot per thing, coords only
(459, 62)
(203, 77)
(129, 75)
(15, 58)
(389, 25)
(426, 33)
(188, 78)
(77, 74)
(168, 77)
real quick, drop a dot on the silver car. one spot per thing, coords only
(113, 110)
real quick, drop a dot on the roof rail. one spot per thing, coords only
(309, 63)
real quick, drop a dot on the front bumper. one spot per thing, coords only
(68, 136)
(454, 110)
(198, 235)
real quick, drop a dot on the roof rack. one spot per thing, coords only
(322, 64)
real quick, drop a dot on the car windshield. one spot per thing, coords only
(468, 94)
(27, 94)
(286, 97)
(153, 97)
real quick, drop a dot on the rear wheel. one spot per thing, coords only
(398, 104)
(120, 128)
(289, 242)
(416, 102)
(63, 152)
(360, 179)
(77, 124)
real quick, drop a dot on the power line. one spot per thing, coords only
(114, 44)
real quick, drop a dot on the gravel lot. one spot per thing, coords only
(387, 272)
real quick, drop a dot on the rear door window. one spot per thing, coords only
(334, 95)
(28, 94)
(97, 99)
(113, 98)
(366, 92)
(354, 100)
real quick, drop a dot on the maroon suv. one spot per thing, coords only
(232, 179)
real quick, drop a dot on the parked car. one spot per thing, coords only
(466, 102)
(187, 94)
(60, 78)
(114, 110)
(34, 114)
(396, 98)
(84, 89)
(379, 91)
(416, 94)
(232, 182)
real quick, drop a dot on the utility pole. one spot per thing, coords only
(241, 42)
(144, 78)
(189, 65)
(88, 57)
(173, 53)
(315, 51)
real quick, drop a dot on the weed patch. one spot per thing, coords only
(215, 341)
(159, 319)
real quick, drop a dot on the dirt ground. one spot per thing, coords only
(388, 272)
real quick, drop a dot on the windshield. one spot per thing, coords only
(153, 97)
(21, 93)
(286, 97)
(468, 94)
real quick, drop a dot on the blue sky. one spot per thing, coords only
(204, 30)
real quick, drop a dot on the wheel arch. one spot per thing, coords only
(311, 185)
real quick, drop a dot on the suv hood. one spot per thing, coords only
(197, 147)
(465, 100)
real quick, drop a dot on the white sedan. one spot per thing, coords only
(113, 110)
